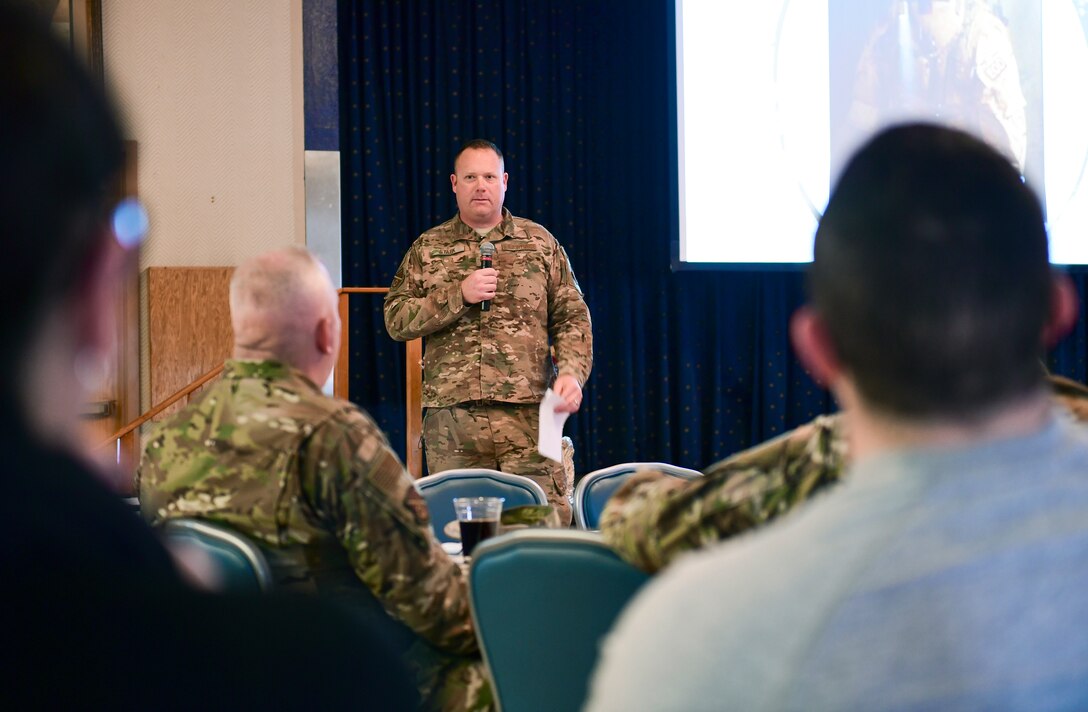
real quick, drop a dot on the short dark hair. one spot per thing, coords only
(60, 148)
(476, 143)
(931, 271)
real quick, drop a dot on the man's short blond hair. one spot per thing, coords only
(277, 298)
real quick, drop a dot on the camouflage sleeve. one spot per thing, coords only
(569, 324)
(1071, 395)
(359, 489)
(653, 518)
(411, 311)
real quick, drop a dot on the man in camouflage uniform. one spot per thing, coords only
(314, 480)
(485, 371)
(652, 518)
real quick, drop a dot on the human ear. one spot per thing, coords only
(325, 336)
(812, 343)
(1063, 309)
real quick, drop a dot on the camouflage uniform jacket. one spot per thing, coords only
(499, 355)
(265, 452)
(652, 518)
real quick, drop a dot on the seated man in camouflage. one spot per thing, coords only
(653, 518)
(314, 480)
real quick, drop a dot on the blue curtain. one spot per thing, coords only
(690, 366)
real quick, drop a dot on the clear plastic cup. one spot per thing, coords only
(478, 518)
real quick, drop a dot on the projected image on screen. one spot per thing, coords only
(770, 109)
(964, 63)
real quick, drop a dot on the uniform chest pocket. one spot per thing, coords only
(522, 273)
(445, 265)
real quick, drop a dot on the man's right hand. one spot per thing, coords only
(480, 285)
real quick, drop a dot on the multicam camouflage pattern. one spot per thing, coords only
(498, 436)
(313, 479)
(1073, 396)
(568, 467)
(499, 355)
(528, 516)
(653, 518)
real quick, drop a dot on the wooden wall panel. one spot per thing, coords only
(188, 325)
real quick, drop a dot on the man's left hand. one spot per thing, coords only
(567, 388)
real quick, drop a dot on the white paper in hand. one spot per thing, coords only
(549, 442)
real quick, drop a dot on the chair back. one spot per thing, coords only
(241, 566)
(542, 600)
(439, 491)
(595, 488)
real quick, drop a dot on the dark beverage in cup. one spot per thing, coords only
(476, 530)
(479, 519)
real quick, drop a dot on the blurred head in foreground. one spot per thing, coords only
(60, 155)
(932, 298)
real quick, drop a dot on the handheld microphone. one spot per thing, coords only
(487, 251)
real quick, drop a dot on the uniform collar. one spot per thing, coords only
(237, 369)
(466, 232)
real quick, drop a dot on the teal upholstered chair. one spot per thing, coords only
(595, 488)
(439, 491)
(241, 566)
(542, 600)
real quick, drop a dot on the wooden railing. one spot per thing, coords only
(166, 403)
(413, 386)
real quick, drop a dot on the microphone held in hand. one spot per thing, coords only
(487, 251)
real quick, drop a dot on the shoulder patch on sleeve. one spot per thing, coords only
(414, 502)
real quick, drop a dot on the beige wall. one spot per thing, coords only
(212, 92)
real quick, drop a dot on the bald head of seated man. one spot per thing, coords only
(283, 307)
